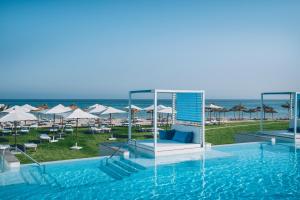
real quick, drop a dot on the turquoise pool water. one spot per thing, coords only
(249, 171)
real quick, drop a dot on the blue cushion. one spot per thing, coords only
(185, 137)
(166, 134)
(292, 130)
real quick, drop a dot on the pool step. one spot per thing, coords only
(119, 168)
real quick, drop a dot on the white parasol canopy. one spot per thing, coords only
(16, 107)
(151, 108)
(213, 106)
(17, 115)
(97, 109)
(166, 110)
(78, 114)
(133, 107)
(57, 109)
(111, 110)
(29, 107)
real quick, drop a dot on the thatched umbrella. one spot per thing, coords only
(271, 111)
(268, 109)
(250, 111)
(287, 106)
(238, 108)
(73, 107)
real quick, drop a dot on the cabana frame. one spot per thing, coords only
(294, 98)
(155, 93)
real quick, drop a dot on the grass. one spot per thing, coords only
(216, 134)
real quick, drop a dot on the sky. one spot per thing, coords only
(104, 48)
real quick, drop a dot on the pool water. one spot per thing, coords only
(249, 171)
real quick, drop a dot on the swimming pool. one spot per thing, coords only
(244, 171)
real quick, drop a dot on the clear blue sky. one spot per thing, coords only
(102, 49)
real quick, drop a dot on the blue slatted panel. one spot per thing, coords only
(189, 107)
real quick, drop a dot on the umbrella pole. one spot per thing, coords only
(15, 124)
(76, 131)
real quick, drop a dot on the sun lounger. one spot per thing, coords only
(45, 137)
(69, 129)
(24, 130)
(30, 146)
(4, 146)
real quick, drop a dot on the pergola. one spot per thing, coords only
(188, 108)
(294, 99)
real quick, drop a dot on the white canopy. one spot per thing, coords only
(17, 115)
(94, 106)
(78, 114)
(212, 106)
(133, 107)
(57, 109)
(29, 107)
(167, 110)
(97, 109)
(111, 110)
(151, 108)
(16, 107)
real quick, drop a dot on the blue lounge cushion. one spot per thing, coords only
(166, 134)
(292, 130)
(185, 137)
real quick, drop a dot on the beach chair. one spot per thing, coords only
(69, 129)
(44, 137)
(24, 130)
(30, 146)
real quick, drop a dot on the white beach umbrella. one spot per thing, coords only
(29, 107)
(17, 116)
(133, 107)
(94, 106)
(151, 108)
(78, 114)
(16, 107)
(167, 110)
(110, 110)
(213, 106)
(97, 109)
(59, 109)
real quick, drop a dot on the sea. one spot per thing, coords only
(122, 103)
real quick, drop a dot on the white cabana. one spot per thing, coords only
(29, 107)
(188, 122)
(78, 114)
(17, 116)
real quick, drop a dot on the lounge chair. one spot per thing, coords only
(30, 146)
(45, 137)
(24, 130)
(68, 129)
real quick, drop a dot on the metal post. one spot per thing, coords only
(129, 117)
(261, 112)
(203, 119)
(155, 122)
(295, 116)
(173, 107)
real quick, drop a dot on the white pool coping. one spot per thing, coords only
(101, 157)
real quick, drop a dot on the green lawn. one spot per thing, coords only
(216, 134)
